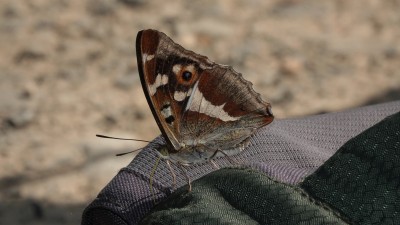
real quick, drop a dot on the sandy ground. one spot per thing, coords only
(68, 71)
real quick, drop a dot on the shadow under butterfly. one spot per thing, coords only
(203, 109)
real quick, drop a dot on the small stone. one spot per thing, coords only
(28, 55)
(140, 114)
(10, 11)
(291, 65)
(110, 119)
(21, 118)
(25, 94)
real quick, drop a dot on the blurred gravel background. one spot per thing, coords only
(68, 71)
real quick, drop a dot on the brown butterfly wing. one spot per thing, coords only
(232, 109)
(154, 78)
(199, 105)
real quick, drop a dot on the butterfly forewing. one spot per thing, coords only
(153, 82)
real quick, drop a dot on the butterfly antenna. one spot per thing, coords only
(124, 153)
(125, 139)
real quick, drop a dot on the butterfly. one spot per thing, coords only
(202, 108)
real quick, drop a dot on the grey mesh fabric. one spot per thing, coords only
(287, 150)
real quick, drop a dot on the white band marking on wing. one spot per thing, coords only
(197, 103)
(160, 81)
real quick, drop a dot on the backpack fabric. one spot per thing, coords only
(287, 152)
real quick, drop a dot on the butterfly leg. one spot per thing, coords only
(172, 173)
(180, 166)
(214, 164)
(231, 160)
(152, 173)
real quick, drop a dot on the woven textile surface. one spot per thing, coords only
(287, 150)
(359, 184)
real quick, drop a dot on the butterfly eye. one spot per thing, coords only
(186, 75)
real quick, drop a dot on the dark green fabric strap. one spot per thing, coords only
(359, 184)
(362, 180)
(240, 196)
